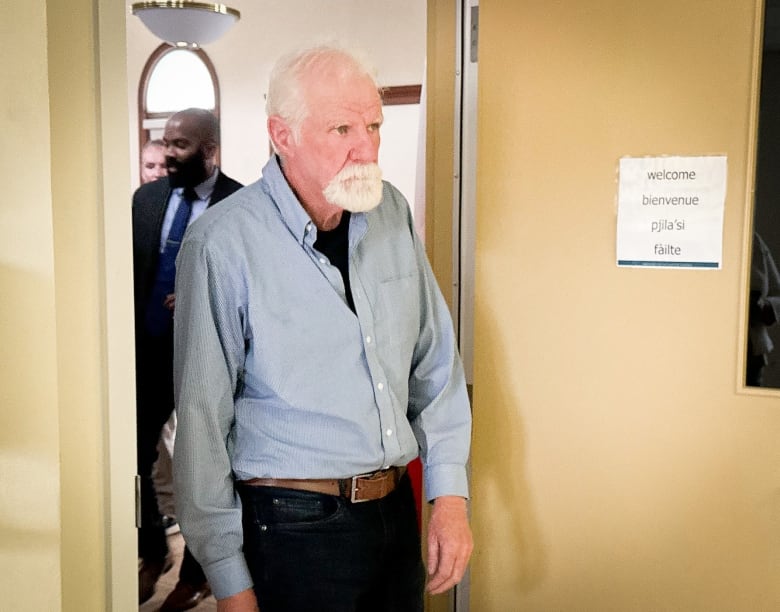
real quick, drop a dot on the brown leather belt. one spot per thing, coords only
(360, 488)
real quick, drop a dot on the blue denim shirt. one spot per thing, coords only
(275, 376)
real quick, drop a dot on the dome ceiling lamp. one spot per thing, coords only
(186, 24)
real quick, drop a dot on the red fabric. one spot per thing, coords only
(415, 475)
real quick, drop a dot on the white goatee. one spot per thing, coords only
(357, 188)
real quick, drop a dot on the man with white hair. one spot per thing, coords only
(314, 359)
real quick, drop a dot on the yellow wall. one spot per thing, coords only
(439, 143)
(440, 133)
(29, 427)
(617, 465)
(75, 184)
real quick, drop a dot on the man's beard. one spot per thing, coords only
(189, 173)
(356, 188)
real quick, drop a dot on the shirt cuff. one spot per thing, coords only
(447, 479)
(228, 576)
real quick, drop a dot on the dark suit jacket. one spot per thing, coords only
(149, 204)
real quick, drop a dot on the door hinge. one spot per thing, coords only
(474, 34)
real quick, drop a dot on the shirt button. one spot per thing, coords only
(368, 339)
(322, 260)
(389, 432)
(380, 386)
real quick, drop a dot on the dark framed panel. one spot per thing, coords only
(762, 350)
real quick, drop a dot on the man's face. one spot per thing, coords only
(337, 150)
(153, 164)
(184, 156)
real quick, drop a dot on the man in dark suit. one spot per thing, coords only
(161, 211)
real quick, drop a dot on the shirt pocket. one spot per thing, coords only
(398, 314)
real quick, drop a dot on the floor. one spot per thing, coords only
(168, 581)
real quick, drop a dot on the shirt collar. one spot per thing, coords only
(292, 212)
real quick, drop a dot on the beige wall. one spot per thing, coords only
(29, 416)
(439, 127)
(616, 465)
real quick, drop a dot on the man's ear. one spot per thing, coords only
(209, 150)
(281, 135)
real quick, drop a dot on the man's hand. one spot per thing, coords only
(244, 601)
(449, 543)
(170, 301)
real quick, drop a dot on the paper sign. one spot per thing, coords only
(670, 211)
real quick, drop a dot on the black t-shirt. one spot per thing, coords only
(334, 244)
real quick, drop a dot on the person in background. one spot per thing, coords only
(153, 164)
(162, 209)
(153, 167)
(314, 359)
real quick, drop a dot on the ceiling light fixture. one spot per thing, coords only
(186, 24)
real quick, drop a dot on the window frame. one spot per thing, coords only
(144, 134)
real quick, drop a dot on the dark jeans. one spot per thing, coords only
(308, 551)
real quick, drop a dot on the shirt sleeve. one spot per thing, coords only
(208, 362)
(439, 408)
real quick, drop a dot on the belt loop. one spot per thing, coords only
(345, 487)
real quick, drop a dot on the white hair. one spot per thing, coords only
(285, 87)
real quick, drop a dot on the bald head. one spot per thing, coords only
(199, 124)
(191, 138)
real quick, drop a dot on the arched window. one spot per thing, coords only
(174, 79)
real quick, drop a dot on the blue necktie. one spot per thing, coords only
(158, 317)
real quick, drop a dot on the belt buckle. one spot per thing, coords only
(354, 489)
